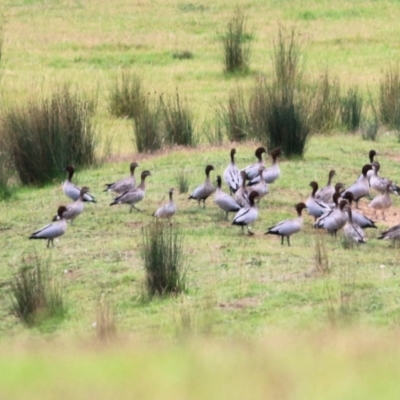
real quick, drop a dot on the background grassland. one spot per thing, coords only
(238, 286)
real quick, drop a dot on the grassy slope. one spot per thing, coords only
(238, 286)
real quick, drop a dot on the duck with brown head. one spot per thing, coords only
(131, 197)
(252, 170)
(167, 210)
(379, 183)
(75, 209)
(232, 174)
(224, 201)
(272, 173)
(360, 188)
(247, 215)
(72, 191)
(202, 192)
(53, 230)
(315, 207)
(326, 193)
(358, 218)
(124, 184)
(383, 201)
(288, 227)
(352, 231)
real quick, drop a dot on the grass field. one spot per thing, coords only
(255, 312)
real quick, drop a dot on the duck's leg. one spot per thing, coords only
(288, 241)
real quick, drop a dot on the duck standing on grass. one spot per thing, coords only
(232, 174)
(202, 192)
(315, 207)
(167, 210)
(383, 201)
(248, 214)
(252, 170)
(326, 193)
(360, 188)
(272, 173)
(135, 195)
(72, 191)
(125, 184)
(76, 208)
(351, 230)
(53, 230)
(224, 201)
(290, 226)
(393, 233)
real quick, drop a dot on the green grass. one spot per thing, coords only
(260, 317)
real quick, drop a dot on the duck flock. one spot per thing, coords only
(331, 206)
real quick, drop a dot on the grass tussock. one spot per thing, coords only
(282, 109)
(35, 294)
(351, 107)
(44, 135)
(106, 328)
(182, 180)
(177, 121)
(236, 117)
(389, 98)
(6, 173)
(164, 259)
(236, 43)
(126, 95)
(326, 109)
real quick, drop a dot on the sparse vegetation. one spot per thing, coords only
(164, 259)
(236, 116)
(236, 43)
(351, 107)
(45, 135)
(177, 121)
(389, 99)
(105, 321)
(35, 294)
(126, 95)
(182, 180)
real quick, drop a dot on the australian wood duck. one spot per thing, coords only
(224, 201)
(72, 191)
(202, 192)
(135, 195)
(288, 227)
(272, 173)
(53, 230)
(252, 170)
(248, 214)
(125, 184)
(232, 175)
(167, 210)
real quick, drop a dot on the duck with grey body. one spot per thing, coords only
(224, 201)
(202, 192)
(288, 227)
(360, 188)
(167, 210)
(72, 191)
(53, 230)
(76, 208)
(326, 193)
(125, 184)
(272, 173)
(251, 171)
(315, 207)
(232, 175)
(135, 195)
(248, 214)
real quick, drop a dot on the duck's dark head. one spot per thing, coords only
(372, 154)
(339, 187)
(300, 207)
(70, 169)
(366, 168)
(314, 186)
(133, 166)
(219, 181)
(349, 196)
(332, 173)
(84, 190)
(208, 169)
(252, 197)
(342, 204)
(259, 152)
(145, 174)
(61, 210)
(276, 153)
